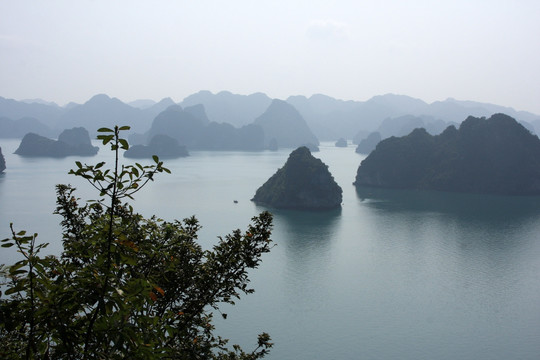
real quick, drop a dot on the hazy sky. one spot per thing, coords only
(64, 51)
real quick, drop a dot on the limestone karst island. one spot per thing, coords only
(75, 141)
(495, 155)
(304, 182)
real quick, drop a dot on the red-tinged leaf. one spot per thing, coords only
(159, 290)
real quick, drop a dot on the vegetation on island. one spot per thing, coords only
(125, 286)
(304, 182)
(496, 155)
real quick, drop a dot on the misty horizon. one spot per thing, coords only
(65, 51)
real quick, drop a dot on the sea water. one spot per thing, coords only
(393, 274)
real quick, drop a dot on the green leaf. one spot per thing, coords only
(156, 159)
(124, 144)
(103, 129)
(105, 138)
(125, 127)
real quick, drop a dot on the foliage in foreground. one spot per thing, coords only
(125, 286)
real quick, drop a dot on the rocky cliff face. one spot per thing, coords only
(304, 182)
(495, 155)
(2, 161)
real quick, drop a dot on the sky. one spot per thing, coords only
(62, 51)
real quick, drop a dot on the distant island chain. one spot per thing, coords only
(407, 143)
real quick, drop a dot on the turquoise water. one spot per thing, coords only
(392, 275)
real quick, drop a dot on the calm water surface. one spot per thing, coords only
(392, 275)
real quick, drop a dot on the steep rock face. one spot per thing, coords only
(70, 142)
(2, 161)
(163, 146)
(495, 155)
(304, 182)
(284, 126)
(369, 143)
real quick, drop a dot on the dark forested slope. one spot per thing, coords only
(495, 155)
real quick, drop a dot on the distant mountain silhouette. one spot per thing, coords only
(341, 142)
(152, 111)
(102, 111)
(234, 109)
(165, 147)
(199, 112)
(190, 127)
(369, 143)
(16, 129)
(46, 114)
(77, 137)
(2, 161)
(75, 141)
(496, 155)
(142, 103)
(181, 125)
(403, 125)
(282, 122)
(327, 117)
(40, 101)
(331, 119)
(304, 182)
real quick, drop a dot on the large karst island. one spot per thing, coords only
(2, 161)
(74, 141)
(495, 155)
(304, 182)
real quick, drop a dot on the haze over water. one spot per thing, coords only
(393, 274)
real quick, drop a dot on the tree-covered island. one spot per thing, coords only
(304, 182)
(495, 155)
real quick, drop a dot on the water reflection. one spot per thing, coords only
(303, 230)
(493, 209)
